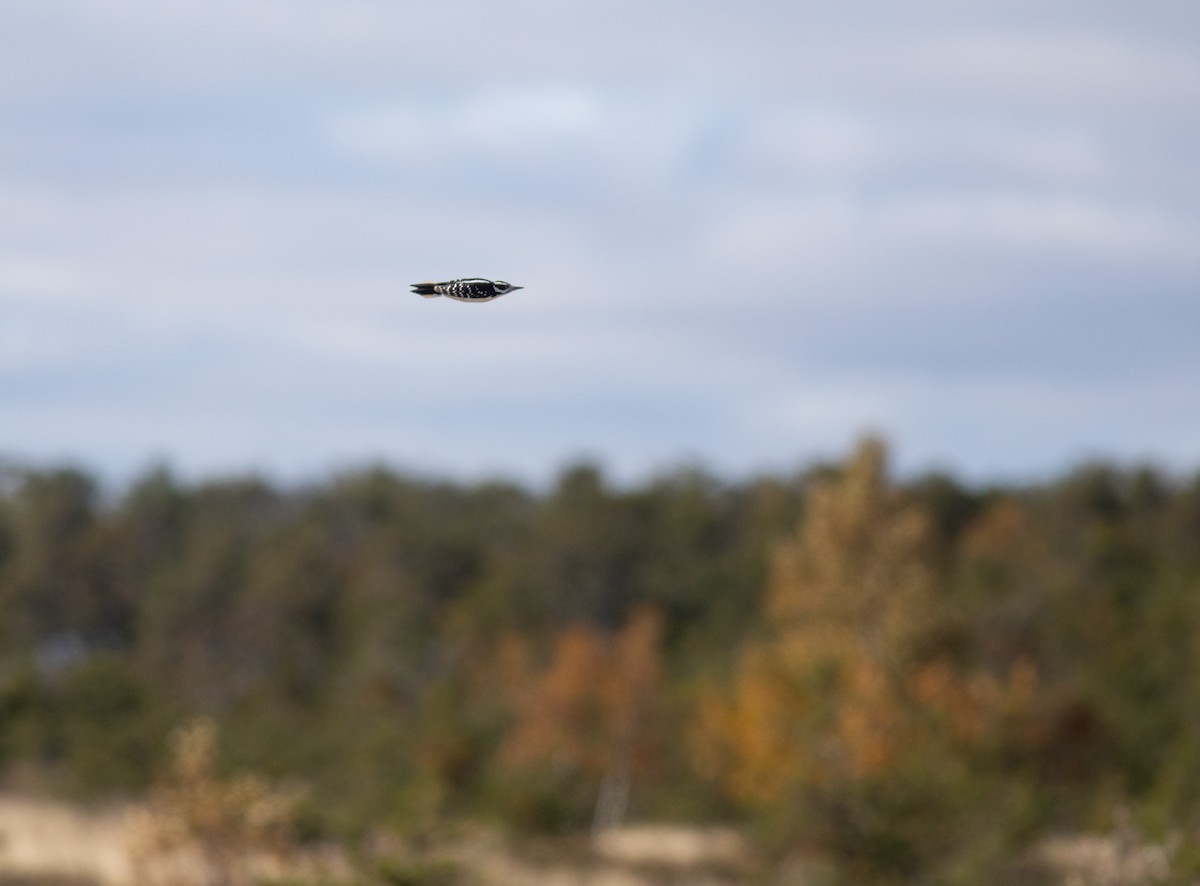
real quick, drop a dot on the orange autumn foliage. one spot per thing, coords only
(589, 710)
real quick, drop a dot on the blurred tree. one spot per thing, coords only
(48, 586)
(849, 598)
(587, 721)
(907, 658)
(848, 716)
(109, 726)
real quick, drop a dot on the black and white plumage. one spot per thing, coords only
(466, 289)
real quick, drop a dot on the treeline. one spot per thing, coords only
(895, 679)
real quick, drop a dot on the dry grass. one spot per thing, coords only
(1120, 858)
(44, 843)
(680, 847)
(196, 827)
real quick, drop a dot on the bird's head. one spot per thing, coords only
(503, 288)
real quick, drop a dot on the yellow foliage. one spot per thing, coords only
(835, 693)
(749, 741)
(856, 576)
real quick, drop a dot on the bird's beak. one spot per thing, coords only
(516, 287)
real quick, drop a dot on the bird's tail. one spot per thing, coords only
(425, 290)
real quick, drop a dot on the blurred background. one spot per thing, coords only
(831, 483)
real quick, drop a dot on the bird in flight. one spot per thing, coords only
(466, 289)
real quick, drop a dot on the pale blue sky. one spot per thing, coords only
(748, 233)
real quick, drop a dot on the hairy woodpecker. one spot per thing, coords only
(466, 289)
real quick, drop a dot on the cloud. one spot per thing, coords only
(36, 278)
(822, 232)
(572, 141)
(1048, 223)
(744, 231)
(973, 425)
(1055, 55)
(523, 128)
(845, 146)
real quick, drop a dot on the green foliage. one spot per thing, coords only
(387, 639)
(110, 728)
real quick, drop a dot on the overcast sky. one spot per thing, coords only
(748, 232)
